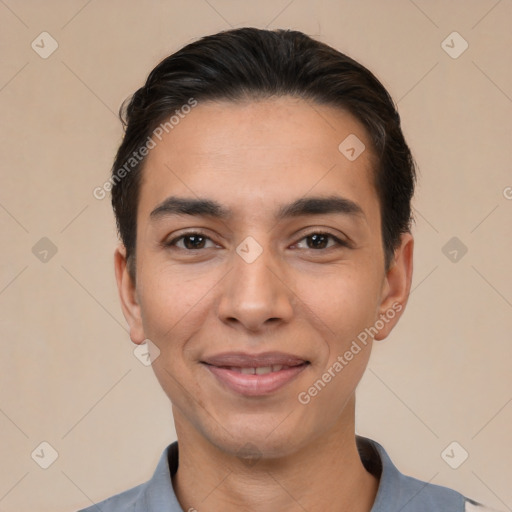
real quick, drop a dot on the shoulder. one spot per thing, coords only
(156, 495)
(401, 492)
(125, 501)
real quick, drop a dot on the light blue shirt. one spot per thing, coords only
(396, 492)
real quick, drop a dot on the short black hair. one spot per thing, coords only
(250, 63)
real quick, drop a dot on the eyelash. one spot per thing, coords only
(339, 242)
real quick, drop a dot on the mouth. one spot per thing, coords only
(255, 375)
(259, 370)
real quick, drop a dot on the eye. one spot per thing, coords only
(191, 241)
(319, 240)
(195, 240)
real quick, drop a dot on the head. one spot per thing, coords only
(302, 182)
(249, 63)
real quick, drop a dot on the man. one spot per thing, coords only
(262, 194)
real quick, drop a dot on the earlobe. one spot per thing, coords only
(128, 296)
(397, 286)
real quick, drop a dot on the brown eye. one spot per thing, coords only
(318, 241)
(191, 241)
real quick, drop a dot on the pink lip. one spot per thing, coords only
(254, 385)
(244, 360)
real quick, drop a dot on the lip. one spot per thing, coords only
(245, 360)
(226, 369)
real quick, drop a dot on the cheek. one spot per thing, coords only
(173, 309)
(343, 301)
(171, 304)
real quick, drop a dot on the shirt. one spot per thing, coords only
(396, 492)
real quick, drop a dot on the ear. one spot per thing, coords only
(397, 286)
(128, 296)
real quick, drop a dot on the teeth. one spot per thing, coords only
(260, 370)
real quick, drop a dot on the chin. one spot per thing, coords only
(253, 438)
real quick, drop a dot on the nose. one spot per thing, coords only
(256, 294)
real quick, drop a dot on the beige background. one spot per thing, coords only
(68, 373)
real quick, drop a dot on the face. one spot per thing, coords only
(259, 265)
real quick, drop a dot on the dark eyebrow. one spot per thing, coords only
(319, 206)
(305, 206)
(189, 206)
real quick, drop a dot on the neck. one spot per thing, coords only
(326, 475)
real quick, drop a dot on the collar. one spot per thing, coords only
(396, 491)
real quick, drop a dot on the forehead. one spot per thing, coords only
(254, 155)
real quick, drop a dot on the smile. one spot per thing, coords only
(260, 370)
(256, 381)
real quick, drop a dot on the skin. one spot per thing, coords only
(252, 157)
